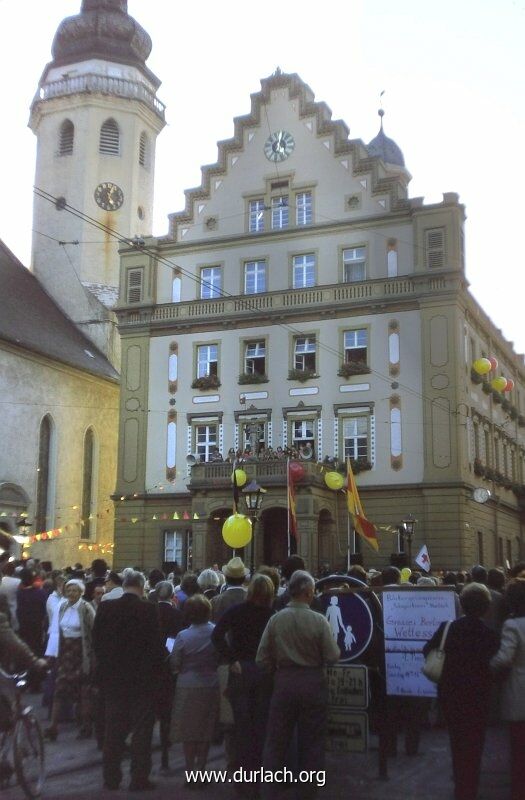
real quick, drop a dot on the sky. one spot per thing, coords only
(452, 72)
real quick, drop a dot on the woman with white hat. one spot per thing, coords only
(70, 642)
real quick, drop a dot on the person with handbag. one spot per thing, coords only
(510, 662)
(465, 686)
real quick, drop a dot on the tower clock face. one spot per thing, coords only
(279, 146)
(109, 196)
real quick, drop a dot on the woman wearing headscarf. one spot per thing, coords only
(510, 660)
(70, 642)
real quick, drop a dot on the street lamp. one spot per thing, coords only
(253, 497)
(408, 526)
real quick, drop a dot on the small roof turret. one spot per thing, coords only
(386, 148)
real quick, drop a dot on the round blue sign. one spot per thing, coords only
(351, 622)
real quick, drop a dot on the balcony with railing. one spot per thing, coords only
(218, 475)
(101, 84)
(324, 299)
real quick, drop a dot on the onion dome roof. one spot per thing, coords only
(386, 148)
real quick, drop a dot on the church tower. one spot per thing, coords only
(96, 117)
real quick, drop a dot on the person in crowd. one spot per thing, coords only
(130, 657)
(237, 636)
(32, 617)
(466, 684)
(170, 617)
(296, 645)
(188, 587)
(273, 574)
(99, 570)
(155, 577)
(194, 661)
(208, 581)
(98, 594)
(390, 576)
(9, 588)
(235, 573)
(497, 610)
(70, 643)
(359, 572)
(113, 587)
(290, 566)
(510, 661)
(171, 622)
(56, 596)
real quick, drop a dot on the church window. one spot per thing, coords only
(109, 138)
(44, 476)
(88, 486)
(143, 150)
(67, 137)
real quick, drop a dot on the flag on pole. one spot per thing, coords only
(364, 528)
(292, 516)
(235, 489)
(423, 559)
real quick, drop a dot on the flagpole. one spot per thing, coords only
(288, 505)
(348, 548)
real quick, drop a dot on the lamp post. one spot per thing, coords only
(408, 526)
(253, 497)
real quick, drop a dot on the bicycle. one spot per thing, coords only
(21, 740)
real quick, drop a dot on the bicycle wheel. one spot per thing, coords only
(28, 755)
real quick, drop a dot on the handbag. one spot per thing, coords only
(435, 660)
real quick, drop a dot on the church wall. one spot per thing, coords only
(32, 387)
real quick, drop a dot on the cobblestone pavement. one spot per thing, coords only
(74, 771)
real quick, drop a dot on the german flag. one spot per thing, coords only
(363, 527)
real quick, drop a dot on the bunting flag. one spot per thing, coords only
(362, 526)
(292, 516)
(235, 504)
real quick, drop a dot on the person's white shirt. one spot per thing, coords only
(52, 602)
(113, 594)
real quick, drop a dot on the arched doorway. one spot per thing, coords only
(274, 524)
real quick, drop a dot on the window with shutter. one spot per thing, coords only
(67, 136)
(143, 150)
(435, 248)
(109, 143)
(135, 285)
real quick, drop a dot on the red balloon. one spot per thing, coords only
(296, 470)
(493, 363)
(510, 385)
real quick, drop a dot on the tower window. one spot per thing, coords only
(109, 138)
(66, 139)
(143, 150)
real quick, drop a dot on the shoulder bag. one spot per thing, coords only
(433, 666)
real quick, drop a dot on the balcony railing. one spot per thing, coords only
(323, 299)
(103, 84)
(266, 473)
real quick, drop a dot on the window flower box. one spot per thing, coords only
(206, 382)
(349, 368)
(252, 377)
(302, 375)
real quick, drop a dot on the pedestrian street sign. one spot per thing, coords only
(346, 731)
(347, 686)
(350, 621)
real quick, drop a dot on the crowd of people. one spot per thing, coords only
(225, 656)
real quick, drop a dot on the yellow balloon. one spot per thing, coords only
(334, 480)
(406, 572)
(237, 531)
(482, 366)
(240, 476)
(499, 384)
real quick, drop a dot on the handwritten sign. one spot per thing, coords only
(347, 686)
(410, 618)
(346, 731)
